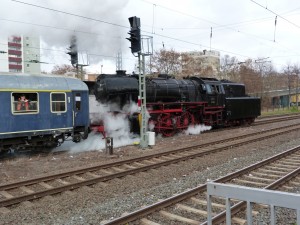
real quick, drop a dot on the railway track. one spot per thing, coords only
(274, 119)
(281, 171)
(30, 153)
(15, 193)
(277, 115)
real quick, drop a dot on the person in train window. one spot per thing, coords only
(23, 103)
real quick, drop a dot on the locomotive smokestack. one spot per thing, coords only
(121, 72)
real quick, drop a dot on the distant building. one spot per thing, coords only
(20, 55)
(203, 61)
(90, 77)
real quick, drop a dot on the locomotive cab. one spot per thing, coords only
(211, 91)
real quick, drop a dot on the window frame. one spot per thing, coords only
(26, 112)
(66, 105)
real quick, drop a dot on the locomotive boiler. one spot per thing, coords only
(174, 104)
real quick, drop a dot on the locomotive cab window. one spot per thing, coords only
(58, 102)
(24, 103)
(208, 88)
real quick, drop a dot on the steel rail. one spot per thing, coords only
(133, 160)
(66, 187)
(274, 120)
(221, 217)
(202, 188)
(72, 186)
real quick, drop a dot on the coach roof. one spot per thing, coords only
(40, 82)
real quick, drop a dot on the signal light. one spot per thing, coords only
(73, 51)
(74, 58)
(135, 34)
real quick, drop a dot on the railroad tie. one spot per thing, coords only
(145, 221)
(129, 167)
(78, 178)
(204, 203)
(295, 183)
(45, 185)
(272, 171)
(190, 209)
(184, 153)
(62, 181)
(106, 171)
(259, 178)
(266, 175)
(26, 189)
(139, 164)
(118, 169)
(289, 188)
(249, 182)
(178, 218)
(4, 210)
(149, 162)
(276, 168)
(287, 166)
(6, 194)
(157, 160)
(294, 158)
(29, 191)
(215, 205)
(166, 158)
(290, 163)
(92, 175)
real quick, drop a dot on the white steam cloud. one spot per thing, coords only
(116, 126)
(197, 129)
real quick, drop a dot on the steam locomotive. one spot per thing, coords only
(175, 104)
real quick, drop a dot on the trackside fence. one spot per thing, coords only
(250, 196)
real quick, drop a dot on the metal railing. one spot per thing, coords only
(251, 195)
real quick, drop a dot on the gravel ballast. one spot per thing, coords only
(100, 202)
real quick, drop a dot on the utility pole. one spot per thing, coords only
(142, 50)
(289, 86)
(261, 64)
(119, 63)
(297, 89)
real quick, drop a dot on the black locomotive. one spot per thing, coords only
(175, 104)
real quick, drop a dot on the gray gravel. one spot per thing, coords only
(91, 205)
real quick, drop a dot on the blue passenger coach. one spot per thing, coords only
(41, 111)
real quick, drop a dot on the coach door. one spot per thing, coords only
(78, 110)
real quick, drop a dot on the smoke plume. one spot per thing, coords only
(56, 28)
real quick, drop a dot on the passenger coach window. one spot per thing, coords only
(78, 101)
(58, 102)
(24, 102)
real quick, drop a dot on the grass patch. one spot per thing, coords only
(280, 111)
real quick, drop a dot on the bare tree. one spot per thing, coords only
(229, 68)
(166, 61)
(63, 69)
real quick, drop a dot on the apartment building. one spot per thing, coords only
(21, 54)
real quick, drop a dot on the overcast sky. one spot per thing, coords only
(242, 29)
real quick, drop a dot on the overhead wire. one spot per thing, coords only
(71, 14)
(64, 51)
(58, 28)
(122, 26)
(266, 8)
(228, 26)
(102, 21)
